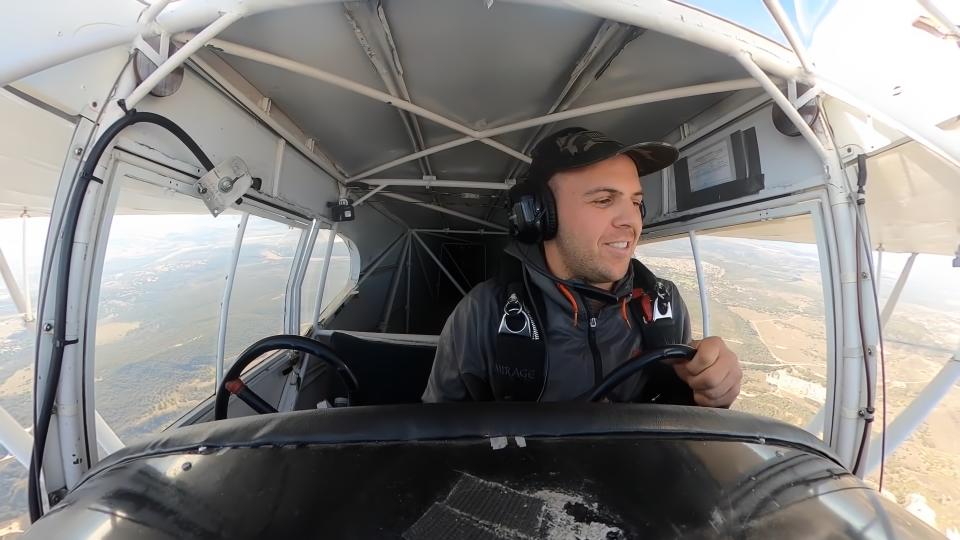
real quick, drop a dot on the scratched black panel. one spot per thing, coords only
(620, 485)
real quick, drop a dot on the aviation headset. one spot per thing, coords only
(533, 211)
(532, 207)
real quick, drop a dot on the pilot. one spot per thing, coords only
(570, 303)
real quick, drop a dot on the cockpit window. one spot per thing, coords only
(338, 277)
(766, 298)
(259, 288)
(157, 316)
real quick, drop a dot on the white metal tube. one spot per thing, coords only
(506, 150)
(416, 155)
(179, 57)
(153, 10)
(28, 302)
(107, 438)
(701, 282)
(278, 165)
(394, 285)
(256, 55)
(790, 33)
(897, 289)
(940, 16)
(686, 23)
(14, 438)
(372, 267)
(879, 267)
(641, 99)
(916, 413)
(406, 327)
(321, 161)
(632, 101)
(12, 287)
(369, 194)
(436, 260)
(77, 42)
(748, 64)
(292, 300)
(328, 252)
(462, 231)
(69, 404)
(227, 291)
(465, 184)
(439, 208)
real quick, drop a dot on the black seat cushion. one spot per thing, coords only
(388, 373)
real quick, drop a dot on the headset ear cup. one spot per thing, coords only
(522, 208)
(548, 224)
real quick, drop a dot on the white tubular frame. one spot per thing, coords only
(227, 292)
(790, 33)
(916, 412)
(181, 56)
(689, 24)
(16, 293)
(444, 210)
(465, 184)
(632, 101)
(293, 300)
(107, 438)
(15, 439)
(395, 283)
(701, 282)
(748, 64)
(28, 302)
(328, 251)
(897, 289)
(439, 264)
(186, 15)
(250, 53)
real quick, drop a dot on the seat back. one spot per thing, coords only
(388, 372)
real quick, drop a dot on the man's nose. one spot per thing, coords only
(628, 215)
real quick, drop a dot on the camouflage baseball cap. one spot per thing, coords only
(575, 147)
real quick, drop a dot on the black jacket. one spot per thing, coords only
(467, 347)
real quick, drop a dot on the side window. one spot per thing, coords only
(673, 259)
(20, 240)
(766, 300)
(259, 288)
(338, 277)
(157, 319)
(922, 350)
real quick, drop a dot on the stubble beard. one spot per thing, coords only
(584, 264)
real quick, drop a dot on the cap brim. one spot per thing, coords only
(651, 157)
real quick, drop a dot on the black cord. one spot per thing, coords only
(72, 214)
(869, 410)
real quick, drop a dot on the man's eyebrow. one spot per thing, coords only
(611, 191)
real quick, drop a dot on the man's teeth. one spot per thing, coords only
(619, 245)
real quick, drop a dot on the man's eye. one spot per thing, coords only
(637, 203)
(604, 202)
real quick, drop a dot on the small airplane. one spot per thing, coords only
(381, 139)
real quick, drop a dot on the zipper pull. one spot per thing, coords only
(593, 322)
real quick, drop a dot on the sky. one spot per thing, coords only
(753, 14)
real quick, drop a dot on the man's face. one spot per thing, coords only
(599, 224)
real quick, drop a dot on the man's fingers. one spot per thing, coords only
(713, 386)
(724, 400)
(710, 378)
(708, 352)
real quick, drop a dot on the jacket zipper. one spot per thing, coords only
(592, 340)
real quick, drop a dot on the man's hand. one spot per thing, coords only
(713, 374)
